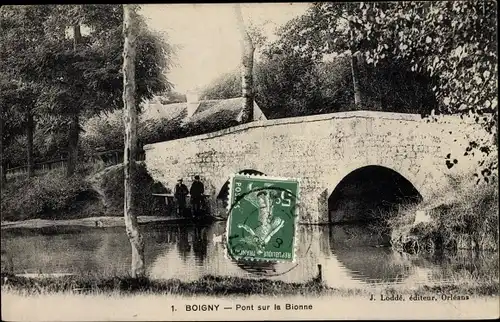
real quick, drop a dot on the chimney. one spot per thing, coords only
(192, 98)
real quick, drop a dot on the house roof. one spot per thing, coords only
(218, 110)
(160, 111)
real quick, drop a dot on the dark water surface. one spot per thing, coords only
(349, 255)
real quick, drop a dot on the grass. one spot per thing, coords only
(464, 281)
(463, 284)
(463, 215)
(208, 285)
(91, 192)
(50, 196)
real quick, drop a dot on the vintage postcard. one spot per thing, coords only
(249, 161)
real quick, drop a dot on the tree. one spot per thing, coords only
(326, 28)
(225, 86)
(454, 42)
(451, 44)
(284, 86)
(28, 22)
(288, 85)
(78, 63)
(130, 152)
(248, 50)
(172, 97)
(10, 119)
(26, 101)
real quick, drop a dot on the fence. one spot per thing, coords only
(109, 157)
(38, 167)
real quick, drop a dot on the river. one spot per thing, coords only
(350, 256)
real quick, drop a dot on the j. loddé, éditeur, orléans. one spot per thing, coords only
(418, 297)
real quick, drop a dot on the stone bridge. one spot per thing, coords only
(350, 163)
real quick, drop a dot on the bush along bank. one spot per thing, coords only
(50, 196)
(90, 192)
(109, 184)
(465, 218)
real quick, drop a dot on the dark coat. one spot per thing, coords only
(181, 191)
(197, 189)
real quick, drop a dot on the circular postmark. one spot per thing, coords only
(263, 235)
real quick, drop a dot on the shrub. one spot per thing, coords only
(85, 194)
(48, 196)
(465, 216)
(110, 184)
(164, 129)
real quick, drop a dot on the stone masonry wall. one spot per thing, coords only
(321, 150)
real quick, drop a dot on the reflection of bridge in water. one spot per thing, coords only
(189, 253)
(343, 263)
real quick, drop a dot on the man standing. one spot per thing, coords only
(197, 190)
(180, 193)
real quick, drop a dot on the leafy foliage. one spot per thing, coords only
(77, 79)
(103, 133)
(110, 183)
(47, 197)
(452, 41)
(11, 117)
(226, 86)
(106, 131)
(169, 97)
(152, 131)
(289, 85)
(53, 196)
(451, 44)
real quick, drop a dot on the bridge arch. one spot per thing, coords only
(223, 191)
(368, 192)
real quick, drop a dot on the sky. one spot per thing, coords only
(207, 38)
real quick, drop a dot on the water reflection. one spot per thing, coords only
(350, 256)
(183, 244)
(358, 249)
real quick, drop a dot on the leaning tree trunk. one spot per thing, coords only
(130, 153)
(247, 49)
(74, 125)
(355, 71)
(29, 136)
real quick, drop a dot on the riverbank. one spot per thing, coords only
(464, 286)
(98, 222)
(128, 299)
(92, 192)
(463, 215)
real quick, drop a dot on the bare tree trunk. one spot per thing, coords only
(130, 153)
(74, 133)
(29, 137)
(355, 81)
(3, 170)
(74, 127)
(355, 72)
(248, 50)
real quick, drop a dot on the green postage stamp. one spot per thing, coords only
(262, 219)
